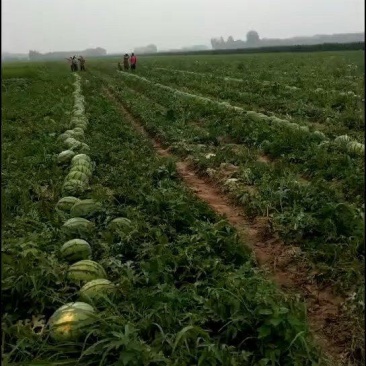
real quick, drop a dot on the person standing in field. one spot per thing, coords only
(74, 64)
(126, 65)
(133, 61)
(69, 60)
(82, 63)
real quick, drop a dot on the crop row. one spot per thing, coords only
(257, 84)
(344, 141)
(337, 113)
(312, 152)
(341, 71)
(311, 213)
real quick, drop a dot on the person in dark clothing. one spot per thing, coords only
(126, 65)
(74, 63)
(69, 60)
(133, 61)
(82, 63)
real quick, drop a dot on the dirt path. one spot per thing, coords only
(285, 264)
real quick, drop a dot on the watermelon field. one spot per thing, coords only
(203, 210)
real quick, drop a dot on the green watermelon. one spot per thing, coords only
(63, 136)
(78, 226)
(65, 203)
(119, 223)
(71, 143)
(85, 208)
(344, 139)
(95, 290)
(75, 250)
(74, 187)
(81, 168)
(356, 148)
(84, 148)
(77, 134)
(320, 135)
(77, 175)
(71, 321)
(82, 162)
(79, 157)
(65, 156)
(85, 270)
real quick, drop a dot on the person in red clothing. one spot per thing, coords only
(133, 61)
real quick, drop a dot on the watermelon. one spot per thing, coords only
(79, 157)
(84, 148)
(81, 125)
(84, 163)
(119, 223)
(64, 136)
(95, 290)
(71, 142)
(77, 226)
(320, 135)
(85, 270)
(356, 148)
(85, 208)
(65, 203)
(81, 168)
(75, 134)
(71, 321)
(78, 130)
(65, 156)
(342, 139)
(257, 117)
(77, 175)
(75, 250)
(74, 187)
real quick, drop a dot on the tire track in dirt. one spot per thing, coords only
(285, 264)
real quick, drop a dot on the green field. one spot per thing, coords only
(280, 135)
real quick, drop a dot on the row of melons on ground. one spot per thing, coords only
(71, 320)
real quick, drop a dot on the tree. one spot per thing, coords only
(230, 43)
(253, 38)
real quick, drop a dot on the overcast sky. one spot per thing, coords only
(121, 25)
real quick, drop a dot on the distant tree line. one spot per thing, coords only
(253, 40)
(151, 48)
(90, 52)
(355, 46)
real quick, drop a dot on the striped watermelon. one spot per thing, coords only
(84, 148)
(119, 223)
(79, 135)
(77, 175)
(85, 270)
(71, 142)
(85, 208)
(80, 157)
(96, 290)
(65, 156)
(78, 226)
(74, 187)
(63, 137)
(75, 250)
(81, 168)
(71, 321)
(65, 203)
(82, 162)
